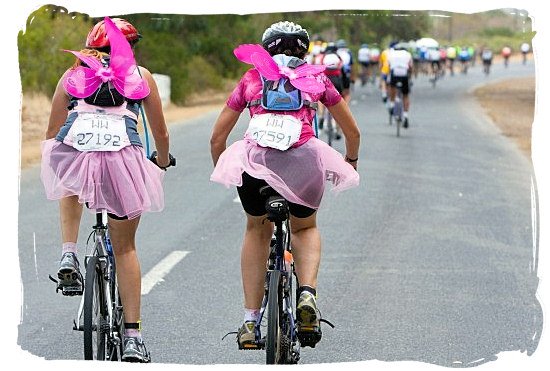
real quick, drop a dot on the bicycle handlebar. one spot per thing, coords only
(153, 158)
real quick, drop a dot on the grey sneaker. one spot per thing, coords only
(135, 351)
(246, 337)
(308, 318)
(70, 278)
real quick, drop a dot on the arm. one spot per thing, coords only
(342, 114)
(223, 126)
(153, 108)
(58, 111)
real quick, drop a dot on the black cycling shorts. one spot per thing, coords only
(404, 83)
(112, 216)
(346, 81)
(337, 82)
(254, 203)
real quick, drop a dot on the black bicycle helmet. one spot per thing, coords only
(286, 38)
(331, 48)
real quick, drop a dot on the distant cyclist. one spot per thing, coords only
(442, 60)
(400, 66)
(506, 53)
(384, 71)
(363, 57)
(349, 74)
(434, 58)
(374, 57)
(464, 58)
(336, 74)
(525, 47)
(451, 56)
(486, 59)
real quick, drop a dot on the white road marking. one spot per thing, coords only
(157, 273)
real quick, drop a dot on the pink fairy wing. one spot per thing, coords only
(309, 69)
(127, 80)
(81, 82)
(244, 51)
(122, 60)
(90, 61)
(308, 84)
(132, 86)
(266, 66)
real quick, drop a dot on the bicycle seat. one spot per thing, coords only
(268, 191)
(276, 206)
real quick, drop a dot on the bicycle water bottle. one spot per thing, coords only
(288, 261)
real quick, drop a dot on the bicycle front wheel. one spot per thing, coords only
(274, 336)
(95, 338)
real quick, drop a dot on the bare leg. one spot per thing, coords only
(70, 211)
(406, 102)
(306, 249)
(254, 254)
(122, 233)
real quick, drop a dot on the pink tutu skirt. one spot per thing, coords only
(298, 174)
(124, 183)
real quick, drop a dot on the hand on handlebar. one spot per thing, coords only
(172, 162)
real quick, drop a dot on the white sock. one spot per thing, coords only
(405, 114)
(69, 247)
(251, 314)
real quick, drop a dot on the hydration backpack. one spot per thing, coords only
(106, 95)
(281, 95)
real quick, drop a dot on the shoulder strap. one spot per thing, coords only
(307, 103)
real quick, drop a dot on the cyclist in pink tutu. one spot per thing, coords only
(93, 155)
(280, 149)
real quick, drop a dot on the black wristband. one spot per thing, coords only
(351, 159)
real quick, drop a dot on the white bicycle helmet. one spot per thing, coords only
(286, 38)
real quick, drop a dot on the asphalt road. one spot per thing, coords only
(433, 258)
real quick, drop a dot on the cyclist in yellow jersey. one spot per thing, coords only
(384, 72)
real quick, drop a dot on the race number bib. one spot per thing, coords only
(98, 132)
(274, 130)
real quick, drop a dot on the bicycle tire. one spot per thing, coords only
(115, 349)
(398, 125)
(95, 339)
(274, 309)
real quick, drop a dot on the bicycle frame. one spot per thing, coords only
(102, 249)
(276, 262)
(397, 110)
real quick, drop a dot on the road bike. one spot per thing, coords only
(99, 314)
(396, 113)
(281, 342)
(486, 67)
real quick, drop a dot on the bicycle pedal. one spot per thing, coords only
(250, 346)
(309, 336)
(72, 290)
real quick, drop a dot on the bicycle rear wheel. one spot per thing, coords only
(273, 346)
(398, 112)
(95, 339)
(114, 345)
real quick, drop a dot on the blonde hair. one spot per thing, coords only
(89, 52)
